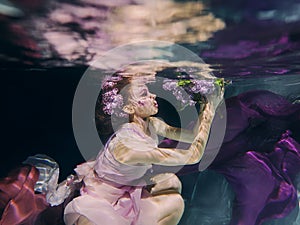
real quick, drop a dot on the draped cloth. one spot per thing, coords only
(103, 201)
(259, 157)
(18, 202)
(113, 191)
(263, 182)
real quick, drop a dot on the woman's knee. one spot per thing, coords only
(173, 214)
(174, 205)
(178, 203)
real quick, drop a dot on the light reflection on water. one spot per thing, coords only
(102, 29)
(246, 39)
(184, 22)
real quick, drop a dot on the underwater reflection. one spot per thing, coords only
(180, 22)
(76, 33)
(249, 38)
(101, 29)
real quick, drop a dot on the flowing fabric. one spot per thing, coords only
(263, 183)
(259, 157)
(18, 202)
(113, 191)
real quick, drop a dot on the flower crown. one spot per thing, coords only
(111, 100)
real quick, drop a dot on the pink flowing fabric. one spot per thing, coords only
(102, 198)
(118, 204)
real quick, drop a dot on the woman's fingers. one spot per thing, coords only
(216, 98)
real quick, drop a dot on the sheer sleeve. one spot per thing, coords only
(159, 156)
(174, 133)
(134, 148)
(131, 146)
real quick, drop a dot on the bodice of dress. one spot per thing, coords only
(108, 168)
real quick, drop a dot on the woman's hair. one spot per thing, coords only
(104, 123)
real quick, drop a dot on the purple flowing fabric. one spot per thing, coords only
(262, 182)
(259, 157)
(255, 120)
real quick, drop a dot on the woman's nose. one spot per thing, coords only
(153, 96)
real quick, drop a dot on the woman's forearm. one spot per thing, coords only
(174, 133)
(169, 156)
(175, 157)
(198, 145)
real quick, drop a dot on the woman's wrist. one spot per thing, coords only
(210, 109)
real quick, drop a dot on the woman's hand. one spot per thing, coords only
(216, 99)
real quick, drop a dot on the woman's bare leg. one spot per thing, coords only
(82, 220)
(166, 199)
(165, 209)
(173, 212)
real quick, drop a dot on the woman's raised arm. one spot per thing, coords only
(170, 156)
(174, 133)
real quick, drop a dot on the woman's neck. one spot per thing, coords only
(143, 123)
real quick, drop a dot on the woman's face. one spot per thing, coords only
(142, 100)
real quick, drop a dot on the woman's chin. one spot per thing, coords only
(155, 111)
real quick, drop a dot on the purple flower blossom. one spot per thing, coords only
(203, 87)
(112, 101)
(107, 85)
(184, 90)
(169, 84)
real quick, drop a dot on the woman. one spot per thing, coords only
(115, 187)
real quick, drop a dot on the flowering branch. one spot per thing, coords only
(190, 91)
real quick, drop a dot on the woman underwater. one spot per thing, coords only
(259, 157)
(115, 190)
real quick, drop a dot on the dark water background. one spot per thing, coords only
(45, 51)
